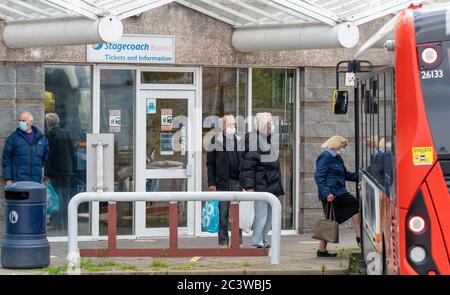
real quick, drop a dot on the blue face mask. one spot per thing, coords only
(23, 126)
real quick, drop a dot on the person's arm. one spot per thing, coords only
(8, 152)
(351, 176)
(322, 166)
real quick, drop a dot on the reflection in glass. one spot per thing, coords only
(157, 213)
(68, 108)
(117, 96)
(273, 91)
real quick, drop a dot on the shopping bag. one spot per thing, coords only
(210, 216)
(327, 229)
(52, 199)
(246, 215)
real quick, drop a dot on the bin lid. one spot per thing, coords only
(24, 186)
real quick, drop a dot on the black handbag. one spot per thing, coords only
(327, 229)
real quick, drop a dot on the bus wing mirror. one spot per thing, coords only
(340, 102)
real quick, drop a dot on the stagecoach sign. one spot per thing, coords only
(422, 155)
(144, 49)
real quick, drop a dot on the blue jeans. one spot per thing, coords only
(262, 223)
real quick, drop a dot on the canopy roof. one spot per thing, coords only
(238, 13)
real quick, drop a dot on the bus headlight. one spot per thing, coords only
(417, 254)
(416, 224)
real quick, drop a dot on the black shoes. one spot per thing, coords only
(325, 254)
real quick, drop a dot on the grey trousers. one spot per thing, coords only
(224, 210)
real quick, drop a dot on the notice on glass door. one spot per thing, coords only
(166, 146)
(114, 121)
(151, 106)
(166, 119)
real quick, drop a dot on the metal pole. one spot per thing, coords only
(73, 255)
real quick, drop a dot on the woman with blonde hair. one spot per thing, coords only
(330, 177)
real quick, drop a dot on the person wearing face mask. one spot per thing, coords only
(330, 178)
(25, 152)
(222, 162)
(260, 171)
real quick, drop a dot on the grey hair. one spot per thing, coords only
(29, 115)
(52, 120)
(262, 119)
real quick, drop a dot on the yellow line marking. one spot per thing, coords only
(53, 256)
(145, 241)
(195, 258)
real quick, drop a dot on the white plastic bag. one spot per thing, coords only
(246, 215)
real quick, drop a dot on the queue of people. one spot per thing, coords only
(233, 164)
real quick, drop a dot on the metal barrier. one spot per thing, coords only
(73, 255)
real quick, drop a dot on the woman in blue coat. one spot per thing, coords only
(330, 177)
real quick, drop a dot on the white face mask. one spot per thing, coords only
(341, 151)
(231, 130)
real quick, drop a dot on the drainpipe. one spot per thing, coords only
(62, 31)
(305, 36)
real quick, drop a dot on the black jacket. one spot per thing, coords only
(61, 155)
(260, 167)
(217, 162)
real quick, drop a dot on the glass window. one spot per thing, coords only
(167, 77)
(274, 92)
(224, 92)
(117, 96)
(68, 109)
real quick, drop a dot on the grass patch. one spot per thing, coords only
(55, 270)
(323, 268)
(354, 265)
(106, 265)
(340, 253)
(158, 263)
(188, 266)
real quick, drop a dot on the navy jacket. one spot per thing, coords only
(23, 161)
(331, 175)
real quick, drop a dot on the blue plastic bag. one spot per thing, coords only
(52, 199)
(210, 216)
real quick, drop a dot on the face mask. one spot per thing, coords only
(23, 126)
(341, 151)
(231, 130)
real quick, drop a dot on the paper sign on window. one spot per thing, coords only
(114, 121)
(166, 119)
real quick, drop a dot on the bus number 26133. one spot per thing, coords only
(432, 74)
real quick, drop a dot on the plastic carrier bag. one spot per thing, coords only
(210, 216)
(52, 199)
(246, 215)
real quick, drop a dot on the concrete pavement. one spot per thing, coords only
(298, 257)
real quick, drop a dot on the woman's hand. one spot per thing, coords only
(331, 198)
(250, 190)
(212, 188)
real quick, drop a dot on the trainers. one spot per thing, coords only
(325, 254)
(267, 245)
(256, 246)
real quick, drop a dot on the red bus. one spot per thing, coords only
(403, 146)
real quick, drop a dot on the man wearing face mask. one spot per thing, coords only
(223, 159)
(25, 152)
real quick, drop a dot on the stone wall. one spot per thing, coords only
(22, 88)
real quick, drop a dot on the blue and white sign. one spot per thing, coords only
(134, 49)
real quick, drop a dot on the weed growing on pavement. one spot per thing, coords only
(323, 268)
(354, 266)
(106, 265)
(187, 266)
(157, 263)
(245, 264)
(341, 252)
(54, 270)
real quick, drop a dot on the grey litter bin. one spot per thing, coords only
(25, 244)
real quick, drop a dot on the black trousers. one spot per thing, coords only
(224, 214)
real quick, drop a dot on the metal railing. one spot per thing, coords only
(73, 256)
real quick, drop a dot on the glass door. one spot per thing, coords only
(165, 157)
